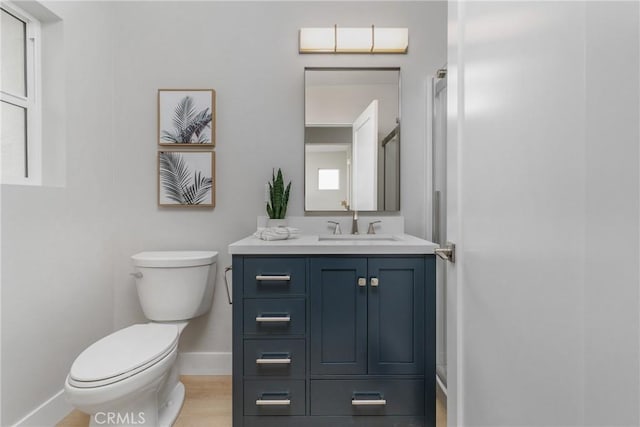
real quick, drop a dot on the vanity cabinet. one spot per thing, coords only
(329, 340)
(367, 316)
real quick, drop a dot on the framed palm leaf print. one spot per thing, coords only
(186, 178)
(186, 117)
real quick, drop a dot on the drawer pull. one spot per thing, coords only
(273, 319)
(368, 402)
(273, 402)
(368, 399)
(263, 361)
(267, 278)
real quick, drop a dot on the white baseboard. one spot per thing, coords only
(48, 414)
(204, 363)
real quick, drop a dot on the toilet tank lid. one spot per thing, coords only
(174, 258)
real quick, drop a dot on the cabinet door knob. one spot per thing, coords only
(362, 282)
(374, 281)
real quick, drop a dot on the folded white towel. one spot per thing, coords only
(277, 233)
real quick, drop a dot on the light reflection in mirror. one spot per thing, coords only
(352, 128)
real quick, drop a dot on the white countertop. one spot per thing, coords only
(345, 245)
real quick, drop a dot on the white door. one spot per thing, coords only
(543, 161)
(365, 159)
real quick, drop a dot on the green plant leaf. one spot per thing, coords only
(285, 201)
(278, 196)
(270, 210)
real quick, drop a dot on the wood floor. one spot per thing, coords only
(208, 404)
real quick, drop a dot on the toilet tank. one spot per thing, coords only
(175, 285)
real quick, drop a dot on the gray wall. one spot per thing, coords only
(248, 53)
(57, 246)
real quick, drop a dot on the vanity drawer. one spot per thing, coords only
(284, 358)
(274, 316)
(367, 397)
(266, 397)
(279, 276)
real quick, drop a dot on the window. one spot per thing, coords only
(20, 105)
(328, 179)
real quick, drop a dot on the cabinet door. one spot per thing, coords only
(338, 315)
(396, 315)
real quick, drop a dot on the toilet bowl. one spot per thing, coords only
(130, 377)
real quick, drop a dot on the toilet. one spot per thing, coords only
(130, 377)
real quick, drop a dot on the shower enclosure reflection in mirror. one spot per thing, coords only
(352, 139)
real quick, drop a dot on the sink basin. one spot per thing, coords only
(358, 238)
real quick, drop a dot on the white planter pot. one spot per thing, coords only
(277, 222)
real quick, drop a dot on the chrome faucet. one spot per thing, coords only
(372, 229)
(354, 223)
(336, 229)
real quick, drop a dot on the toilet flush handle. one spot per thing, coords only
(137, 275)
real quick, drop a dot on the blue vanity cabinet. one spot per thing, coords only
(338, 315)
(396, 314)
(367, 315)
(269, 340)
(352, 343)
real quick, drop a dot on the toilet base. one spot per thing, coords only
(144, 411)
(169, 412)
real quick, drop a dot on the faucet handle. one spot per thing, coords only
(372, 229)
(336, 229)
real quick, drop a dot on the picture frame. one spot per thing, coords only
(186, 178)
(187, 117)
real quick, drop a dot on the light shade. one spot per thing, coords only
(317, 40)
(390, 40)
(354, 40)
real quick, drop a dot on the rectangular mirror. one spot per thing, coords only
(352, 139)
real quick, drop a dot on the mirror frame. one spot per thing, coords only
(304, 119)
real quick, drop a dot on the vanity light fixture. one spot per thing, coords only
(354, 40)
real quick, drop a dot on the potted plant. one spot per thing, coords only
(278, 200)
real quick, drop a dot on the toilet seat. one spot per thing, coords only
(123, 354)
